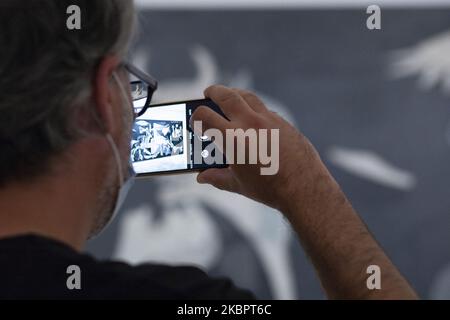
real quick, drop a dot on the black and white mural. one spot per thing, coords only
(156, 139)
(375, 103)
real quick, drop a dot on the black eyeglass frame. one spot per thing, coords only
(151, 82)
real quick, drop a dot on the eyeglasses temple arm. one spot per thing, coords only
(141, 75)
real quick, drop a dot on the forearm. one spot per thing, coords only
(332, 234)
(339, 244)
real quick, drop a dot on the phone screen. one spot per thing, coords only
(162, 141)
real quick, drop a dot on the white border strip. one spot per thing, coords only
(286, 4)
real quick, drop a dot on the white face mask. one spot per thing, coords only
(125, 183)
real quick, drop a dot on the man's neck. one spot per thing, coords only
(58, 206)
(42, 209)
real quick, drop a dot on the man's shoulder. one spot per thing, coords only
(166, 282)
(37, 267)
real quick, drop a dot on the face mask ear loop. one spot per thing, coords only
(109, 137)
(122, 89)
(117, 157)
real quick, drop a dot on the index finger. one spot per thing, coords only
(208, 119)
(252, 100)
(230, 102)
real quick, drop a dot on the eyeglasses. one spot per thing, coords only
(142, 90)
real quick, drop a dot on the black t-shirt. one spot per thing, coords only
(36, 267)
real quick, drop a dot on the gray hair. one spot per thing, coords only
(46, 73)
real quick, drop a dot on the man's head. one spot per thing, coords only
(60, 87)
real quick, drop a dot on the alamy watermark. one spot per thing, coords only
(74, 279)
(374, 280)
(73, 21)
(374, 20)
(251, 146)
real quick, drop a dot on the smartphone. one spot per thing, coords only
(163, 143)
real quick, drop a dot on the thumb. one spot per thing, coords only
(222, 179)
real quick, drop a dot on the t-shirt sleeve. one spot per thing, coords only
(193, 283)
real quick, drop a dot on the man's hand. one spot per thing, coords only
(297, 157)
(332, 234)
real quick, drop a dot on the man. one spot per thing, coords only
(65, 132)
